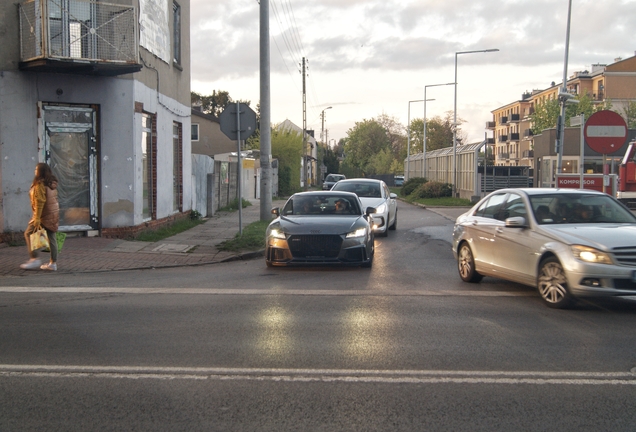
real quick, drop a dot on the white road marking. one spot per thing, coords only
(322, 375)
(210, 291)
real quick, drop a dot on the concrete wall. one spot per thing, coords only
(201, 166)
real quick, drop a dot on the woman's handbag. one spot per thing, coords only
(39, 239)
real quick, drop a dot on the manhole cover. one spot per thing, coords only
(168, 247)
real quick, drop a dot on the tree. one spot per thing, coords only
(629, 112)
(439, 132)
(287, 147)
(546, 114)
(215, 103)
(396, 133)
(364, 141)
(328, 158)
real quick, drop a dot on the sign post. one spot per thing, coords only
(605, 132)
(238, 121)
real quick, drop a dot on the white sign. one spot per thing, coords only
(154, 30)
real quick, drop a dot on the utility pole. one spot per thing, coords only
(266, 133)
(306, 154)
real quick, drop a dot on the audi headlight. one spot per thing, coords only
(277, 233)
(591, 255)
(381, 208)
(361, 232)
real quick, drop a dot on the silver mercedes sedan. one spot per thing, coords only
(568, 243)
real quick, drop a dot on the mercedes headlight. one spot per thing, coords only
(361, 232)
(277, 233)
(591, 255)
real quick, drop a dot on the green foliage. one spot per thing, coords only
(233, 205)
(168, 231)
(433, 190)
(546, 114)
(287, 147)
(629, 112)
(213, 104)
(364, 142)
(253, 238)
(195, 215)
(411, 184)
(329, 158)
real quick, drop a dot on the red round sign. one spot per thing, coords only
(605, 131)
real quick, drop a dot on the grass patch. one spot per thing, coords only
(168, 231)
(233, 205)
(253, 238)
(442, 202)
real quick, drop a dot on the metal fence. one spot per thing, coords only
(77, 29)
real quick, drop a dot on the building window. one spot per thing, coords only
(176, 32)
(177, 167)
(195, 132)
(149, 161)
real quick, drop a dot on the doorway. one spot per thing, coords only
(70, 149)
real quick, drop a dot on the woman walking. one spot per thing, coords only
(46, 213)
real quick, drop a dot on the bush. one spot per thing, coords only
(433, 190)
(411, 184)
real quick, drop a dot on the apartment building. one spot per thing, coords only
(511, 124)
(512, 134)
(101, 92)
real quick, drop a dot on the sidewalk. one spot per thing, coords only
(196, 246)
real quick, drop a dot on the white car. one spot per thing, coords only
(376, 194)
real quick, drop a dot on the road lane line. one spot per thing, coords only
(268, 292)
(321, 375)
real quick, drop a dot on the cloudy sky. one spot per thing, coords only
(368, 57)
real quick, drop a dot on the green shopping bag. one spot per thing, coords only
(60, 237)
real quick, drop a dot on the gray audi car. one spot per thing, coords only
(320, 228)
(568, 243)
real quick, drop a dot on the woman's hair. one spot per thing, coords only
(43, 174)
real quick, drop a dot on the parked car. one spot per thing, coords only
(398, 180)
(568, 243)
(331, 180)
(320, 228)
(374, 193)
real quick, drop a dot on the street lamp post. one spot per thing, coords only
(455, 115)
(322, 131)
(424, 134)
(563, 97)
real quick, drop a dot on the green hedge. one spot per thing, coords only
(411, 184)
(433, 190)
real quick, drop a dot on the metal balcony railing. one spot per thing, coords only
(527, 133)
(502, 138)
(490, 125)
(528, 154)
(514, 136)
(62, 35)
(503, 121)
(514, 117)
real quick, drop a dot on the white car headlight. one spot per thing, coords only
(591, 255)
(381, 208)
(277, 233)
(361, 232)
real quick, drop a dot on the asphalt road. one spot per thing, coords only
(403, 346)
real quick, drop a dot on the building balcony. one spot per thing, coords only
(527, 154)
(78, 36)
(513, 155)
(514, 117)
(490, 125)
(490, 140)
(514, 136)
(502, 138)
(503, 121)
(527, 133)
(503, 156)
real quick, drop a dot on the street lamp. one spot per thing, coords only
(322, 116)
(455, 115)
(424, 135)
(563, 97)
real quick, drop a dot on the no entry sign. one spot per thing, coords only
(605, 131)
